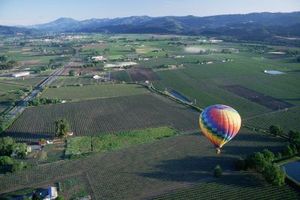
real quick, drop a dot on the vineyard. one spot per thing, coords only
(286, 119)
(232, 187)
(93, 91)
(101, 116)
(157, 168)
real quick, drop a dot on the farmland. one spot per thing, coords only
(133, 143)
(76, 93)
(109, 142)
(157, 168)
(95, 116)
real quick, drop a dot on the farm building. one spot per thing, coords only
(99, 58)
(20, 74)
(120, 65)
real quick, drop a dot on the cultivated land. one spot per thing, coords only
(153, 169)
(108, 115)
(76, 93)
(118, 145)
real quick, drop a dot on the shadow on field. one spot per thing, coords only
(196, 169)
(26, 137)
(190, 169)
(243, 151)
(261, 138)
(290, 99)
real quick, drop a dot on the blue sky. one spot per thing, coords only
(25, 12)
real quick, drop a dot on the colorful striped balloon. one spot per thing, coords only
(219, 123)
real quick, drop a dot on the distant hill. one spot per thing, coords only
(11, 30)
(254, 26)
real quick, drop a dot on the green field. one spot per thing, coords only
(86, 144)
(231, 187)
(158, 168)
(102, 116)
(76, 93)
(130, 143)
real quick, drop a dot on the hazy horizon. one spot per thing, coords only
(31, 12)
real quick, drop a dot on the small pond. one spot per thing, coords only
(292, 169)
(273, 72)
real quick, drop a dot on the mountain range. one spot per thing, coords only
(253, 26)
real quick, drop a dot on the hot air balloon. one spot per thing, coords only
(219, 123)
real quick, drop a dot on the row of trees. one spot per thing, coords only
(262, 162)
(7, 64)
(43, 101)
(293, 138)
(265, 162)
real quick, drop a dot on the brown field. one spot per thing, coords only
(142, 74)
(30, 62)
(257, 97)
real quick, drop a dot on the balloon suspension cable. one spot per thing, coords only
(218, 151)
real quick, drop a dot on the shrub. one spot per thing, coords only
(218, 171)
(288, 150)
(268, 155)
(256, 161)
(274, 175)
(275, 130)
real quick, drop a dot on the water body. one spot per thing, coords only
(180, 96)
(292, 169)
(273, 72)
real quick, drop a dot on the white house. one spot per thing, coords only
(98, 58)
(20, 74)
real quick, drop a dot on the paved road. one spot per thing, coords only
(18, 109)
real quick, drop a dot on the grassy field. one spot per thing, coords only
(108, 115)
(109, 142)
(93, 91)
(159, 168)
(288, 120)
(205, 82)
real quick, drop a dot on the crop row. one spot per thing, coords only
(104, 116)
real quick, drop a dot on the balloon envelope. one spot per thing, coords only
(219, 123)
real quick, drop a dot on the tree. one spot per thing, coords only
(218, 171)
(274, 175)
(3, 58)
(20, 150)
(256, 161)
(61, 128)
(17, 166)
(8, 164)
(72, 73)
(268, 155)
(275, 130)
(288, 151)
(59, 198)
(6, 146)
(294, 137)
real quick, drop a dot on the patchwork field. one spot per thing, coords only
(264, 100)
(158, 168)
(104, 116)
